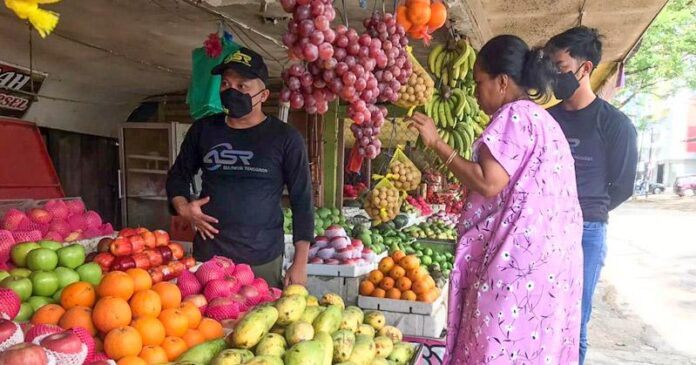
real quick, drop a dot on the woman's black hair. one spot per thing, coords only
(529, 68)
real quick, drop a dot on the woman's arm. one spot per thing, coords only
(486, 177)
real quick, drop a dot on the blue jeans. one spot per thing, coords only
(594, 250)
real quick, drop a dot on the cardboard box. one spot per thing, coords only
(421, 325)
(347, 288)
(403, 306)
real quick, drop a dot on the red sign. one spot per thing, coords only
(15, 83)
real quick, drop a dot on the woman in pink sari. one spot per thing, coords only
(516, 286)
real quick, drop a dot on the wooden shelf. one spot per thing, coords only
(148, 171)
(148, 158)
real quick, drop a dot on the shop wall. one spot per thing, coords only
(87, 166)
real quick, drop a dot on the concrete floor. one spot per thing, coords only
(645, 305)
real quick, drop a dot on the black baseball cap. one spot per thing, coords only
(246, 63)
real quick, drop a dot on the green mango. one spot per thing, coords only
(305, 353)
(203, 353)
(329, 320)
(232, 357)
(364, 350)
(272, 345)
(265, 360)
(253, 327)
(343, 342)
(290, 309)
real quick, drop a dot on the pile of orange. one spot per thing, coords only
(135, 322)
(400, 276)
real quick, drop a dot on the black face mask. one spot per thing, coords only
(237, 104)
(566, 85)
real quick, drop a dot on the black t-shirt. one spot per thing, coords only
(244, 173)
(603, 142)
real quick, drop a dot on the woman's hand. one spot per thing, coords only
(426, 129)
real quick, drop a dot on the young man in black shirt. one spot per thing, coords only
(247, 158)
(603, 142)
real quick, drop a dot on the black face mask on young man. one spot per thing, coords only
(237, 104)
(566, 85)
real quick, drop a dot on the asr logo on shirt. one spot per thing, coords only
(223, 156)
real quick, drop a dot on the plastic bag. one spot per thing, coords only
(419, 88)
(383, 202)
(203, 95)
(402, 172)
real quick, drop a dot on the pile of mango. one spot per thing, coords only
(299, 329)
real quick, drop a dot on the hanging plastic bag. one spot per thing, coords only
(419, 88)
(203, 95)
(402, 172)
(383, 202)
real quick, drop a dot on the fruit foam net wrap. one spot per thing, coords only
(69, 359)
(16, 337)
(403, 172)
(383, 202)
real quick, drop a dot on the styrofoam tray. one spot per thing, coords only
(349, 271)
(401, 306)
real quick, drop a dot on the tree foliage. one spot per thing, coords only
(665, 58)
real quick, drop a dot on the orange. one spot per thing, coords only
(174, 346)
(121, 342)
(379, 293)
(48, 314)
(418, 14)
(131, 360)
(151, 330)
(409, 262)
(141, 279)
(78, 317)
(79, 294)
(387, 283)
(409, 295)
(116, 284)
(438, 15)
(375, 276)
(397, 272)
(385, 265)
(110, 313)
(146, 303)
(393, 293)
(366, 287)
(192, 313)
(403, 283)
(416, 274)
(398, 255)
(174, 321)
(154, 355)
(193, 338)
(211, 329)
(169, 294)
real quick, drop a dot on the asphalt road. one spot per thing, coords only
(645, 306)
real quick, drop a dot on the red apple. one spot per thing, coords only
(141, 230)
(138, 243)
(123, 263)
(166, 253)
(156, 274)
(168, 273)
(90, 256)
(155, 257)
(121, 247)
(198, 300)
(177, 250)
(142, 261)
(104, 245)
(177, 267)
(66, 342)
(104, 259)
(162, 237)
(7, 329)
(24, 354)
(127, 232)
(188, 261)
(149, 238)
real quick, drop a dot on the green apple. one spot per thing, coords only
(3, 274)
(71, 256)
(44, 283)
(19, 253)
(91, 273)
(25, 313)
(20, 271)
(57, 295)
(42, 259)
(18, 284)
(51, 245)
(66, 276)
(38, 302)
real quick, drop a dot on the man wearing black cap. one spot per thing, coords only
(247, 158)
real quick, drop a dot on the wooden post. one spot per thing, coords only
(330, 160)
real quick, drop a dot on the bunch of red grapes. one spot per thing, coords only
(361, 69)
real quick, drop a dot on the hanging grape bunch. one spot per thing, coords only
(360, 69)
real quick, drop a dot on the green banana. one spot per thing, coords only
(432, 56)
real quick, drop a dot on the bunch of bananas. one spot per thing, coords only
(454, 108)
(452, 62)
